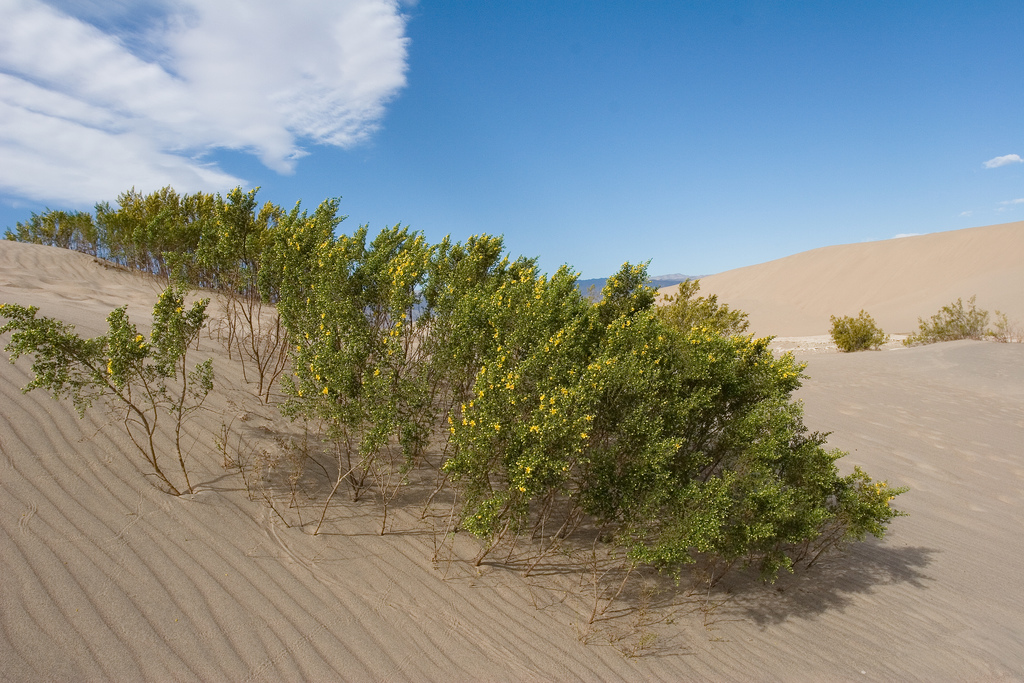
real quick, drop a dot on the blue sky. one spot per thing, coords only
(701, 135)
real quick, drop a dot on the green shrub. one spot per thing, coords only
(139, 380)
(679, 442)
(952, 322)
(857, 334)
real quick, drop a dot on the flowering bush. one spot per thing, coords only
(679, 442)
(357, 352)
(685, 310)
(667, 429)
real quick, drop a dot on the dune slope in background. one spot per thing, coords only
(106, 578)
(897, 281)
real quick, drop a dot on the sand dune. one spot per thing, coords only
(106, 578)
(896, 281)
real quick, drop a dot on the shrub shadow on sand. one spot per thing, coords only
(829, 585)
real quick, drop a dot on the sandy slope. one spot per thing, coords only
(896, 281)
(104, 577)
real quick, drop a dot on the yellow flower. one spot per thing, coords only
(324, 392)
(534, 428)
(138, 337)
(583, 435)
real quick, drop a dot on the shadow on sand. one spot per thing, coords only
(831, 584)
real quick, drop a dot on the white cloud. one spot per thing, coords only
(84, 117)
(1003, 161)
(964, 214)
(1014, 201)
(905, 234)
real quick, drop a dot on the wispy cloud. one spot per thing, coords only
(965, 214)
(1003, 161)
(905, 234)
(1013, 201)
(98, 97)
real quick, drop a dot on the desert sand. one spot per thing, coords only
(106, 578)
(897, 281)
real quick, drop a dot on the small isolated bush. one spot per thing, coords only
(857, 334)
(952, 322)
(139, 380)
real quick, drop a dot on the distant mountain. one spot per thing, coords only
(656, 281)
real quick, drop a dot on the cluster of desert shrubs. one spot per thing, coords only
(663, 431)
(954, 322)
(214, 239)
(951, 323)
